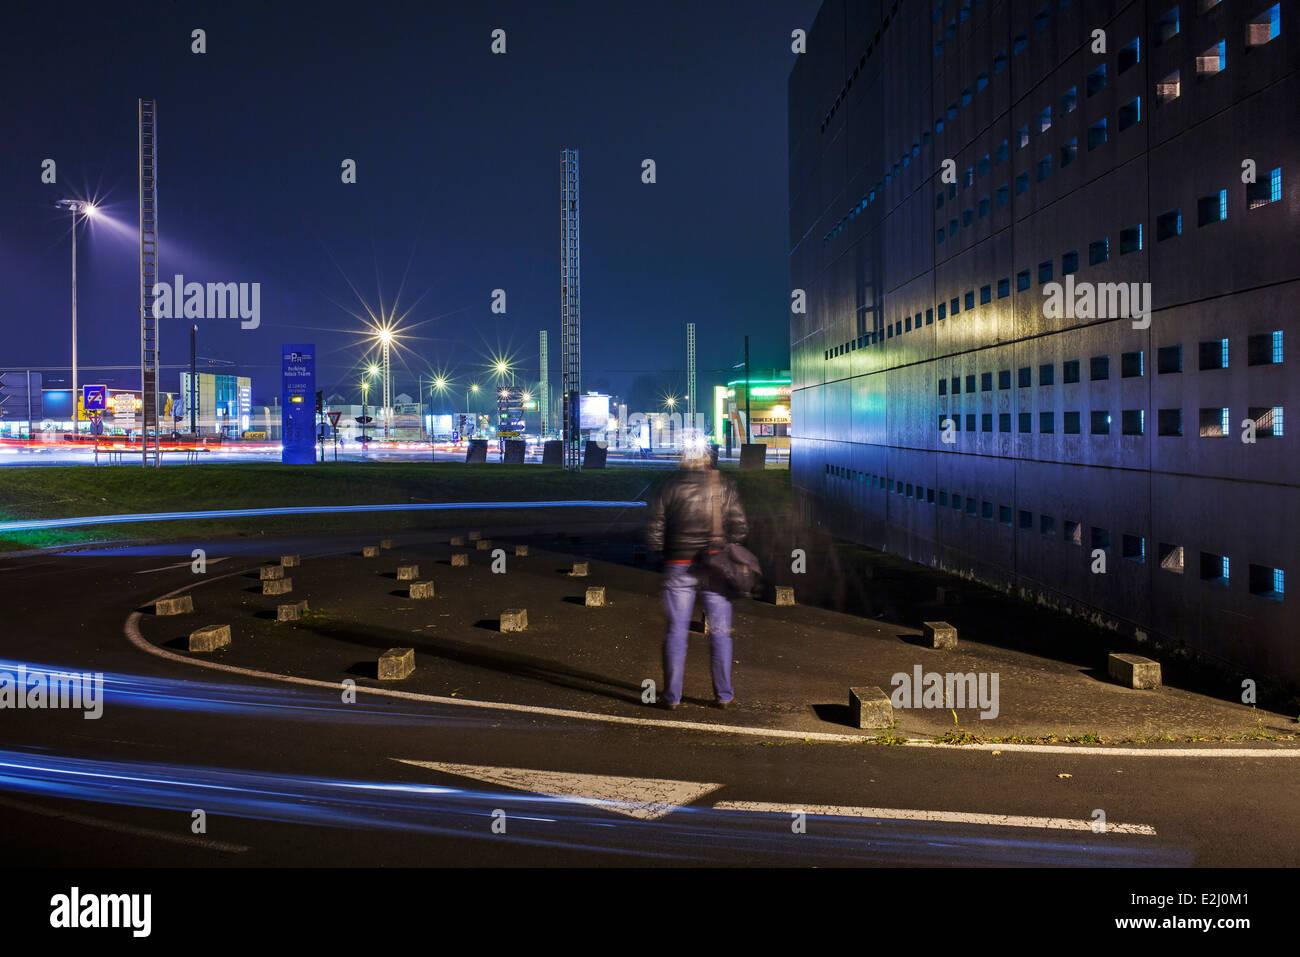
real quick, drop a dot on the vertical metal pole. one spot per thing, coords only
(194, 381)
(31, 432)
(748, 432)
(75, 422)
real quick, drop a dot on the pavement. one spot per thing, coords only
(792, 665)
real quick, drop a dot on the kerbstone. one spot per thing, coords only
(870, 708)
(396, 663)
(939, 634)
(210, 638)
(182, 605)
(1134, 671)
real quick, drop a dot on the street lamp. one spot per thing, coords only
(86, 210)
(439, 387)
(469, 411)
(365, 399)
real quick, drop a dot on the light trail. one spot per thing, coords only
(121, 519)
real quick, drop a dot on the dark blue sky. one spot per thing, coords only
(458, 157)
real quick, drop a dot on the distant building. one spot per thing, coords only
(225, 406)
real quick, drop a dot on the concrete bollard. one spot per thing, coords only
(475, 536)
(870, 708)
(596, 596)
(271, 573)
(420, 590)
(784, 595)
(386, 544)
(408, 573)
(280, 586)
(459, 559)
(370, 551)
(1134, 671)
(579, 570)
(939, 634)
(514, 619)
(521, 551)
(210, 638)
(457, 541)
(396, 663)
(290, 561)
(174, 606)
(484, 544)
(291, 612)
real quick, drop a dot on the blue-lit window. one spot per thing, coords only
(970, 299)
(1169, 225)
(938, 125)
(968, 216)
(1022, 280)
(1130, 54)
(1003, 150)
(938, 236)
(1130, 240)
(1069, 153)
(1265, 27)
(1167, 26)
(1098, 251)
(1130, 113)
(1044, 168)
(1022, 137)
(1070, 100)
(1042, 19)
(1277, 421)
(954, 307)
(1022, 183)
(986, 294)
(1097, 80)
(1212, 208)
(981, 81)
(1096, 134)
(1003, 194)
(1224, 422)
(1070, 262)
(1133, 421)
(1266, 191)
(982, 167)
(999, 62)
(1045, 120)
(1044, 272)
(929, 317)
(984, 207)
(1132, 365)
(1018, 44)
(1004, 287)
(1213, 60)
(1277, 346)
(942, 309)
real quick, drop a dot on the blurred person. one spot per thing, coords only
(696, 513)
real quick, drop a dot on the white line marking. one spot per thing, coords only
(646, 799)
(167, 568)
(125, 828)
(132, 630)
(946, 817)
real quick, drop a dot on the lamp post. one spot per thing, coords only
(468, 410)
(365, 399)
(437, 387)
(86, 210)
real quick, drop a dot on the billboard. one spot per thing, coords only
(593, 411)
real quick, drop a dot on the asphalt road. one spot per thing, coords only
(286, 774)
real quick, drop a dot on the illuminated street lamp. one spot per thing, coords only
(86, 210)
(439, 387)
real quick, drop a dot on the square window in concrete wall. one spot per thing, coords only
(968, 216)
(1003, 150)
(982, 167)
(986, 381)
(954, 307)
(1044, 168)
(1071, 423)
(986, 511)
(1047, 374)
(1267, 419)
(1130, 54)
(929, 317)
(1096, 135)
(942, 309)
(1004, 379)
(1069, 152)
(1134, 548)
(1026, 520)
(1026, 422)
(1099, 368)
(1070, 100)
(1130, 113)
(1004, 287)
(1004, 421)
(1022, 183)
(986, 422)
(1003, 195)
(1264, 191)
(999, 62)
(1131, 365)
(970, 422)
(1042, 18)
(1167, 26)
(1100, 539)
(1169, 225)
(1169, 359)
(943, 499)
(1265, 27)
(1214, 423)
(1097, 80)
(1046, 422)
(1022, 137)
(1212, 208)
(1098, 252)
(1004, 515)
(956, 385)
(1133, 421)
(986, 294)
(984, 207)
(1022, 280)
(1214, 354)
(1264, 349)
(1044, 272)
(1070, 371)
(1130, 240)
(1267, 582)
(1171, 557)
(1047, 525)
(1070, 262)
(1169, 88)
(1019, 43)
(1215, 568)
(970, 298)
(1024, 377)
(1073, 532)
(1100, 422)
(1213, 60)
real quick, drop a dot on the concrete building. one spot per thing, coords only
(959, 170)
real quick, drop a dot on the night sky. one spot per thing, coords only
(458, 159)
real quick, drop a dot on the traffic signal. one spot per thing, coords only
(320, 402)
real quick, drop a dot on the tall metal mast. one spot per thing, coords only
(570, 309)
(148, 126)
(690, 375)
(544, 383)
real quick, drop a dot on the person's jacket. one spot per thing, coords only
(681, 518)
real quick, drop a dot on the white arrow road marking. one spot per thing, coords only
(646, 799)
(165, 568)
(946, 817)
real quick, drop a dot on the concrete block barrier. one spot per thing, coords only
(784, 595)
(396, 664)
(579, 570)
(420, 590)
(386, 544)
(290, 561)
(210, 638)
(475, 536)
(370, 551)
(521, 551)
(457, 541)
(596, 596)
(408, 573)
(460, 559)
(870, 708)
(484, 544)
(1134, 671)
(292, 611)
(939, 634)
(280, 586)
(514, 619)
(181, 605)
(271, 573)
